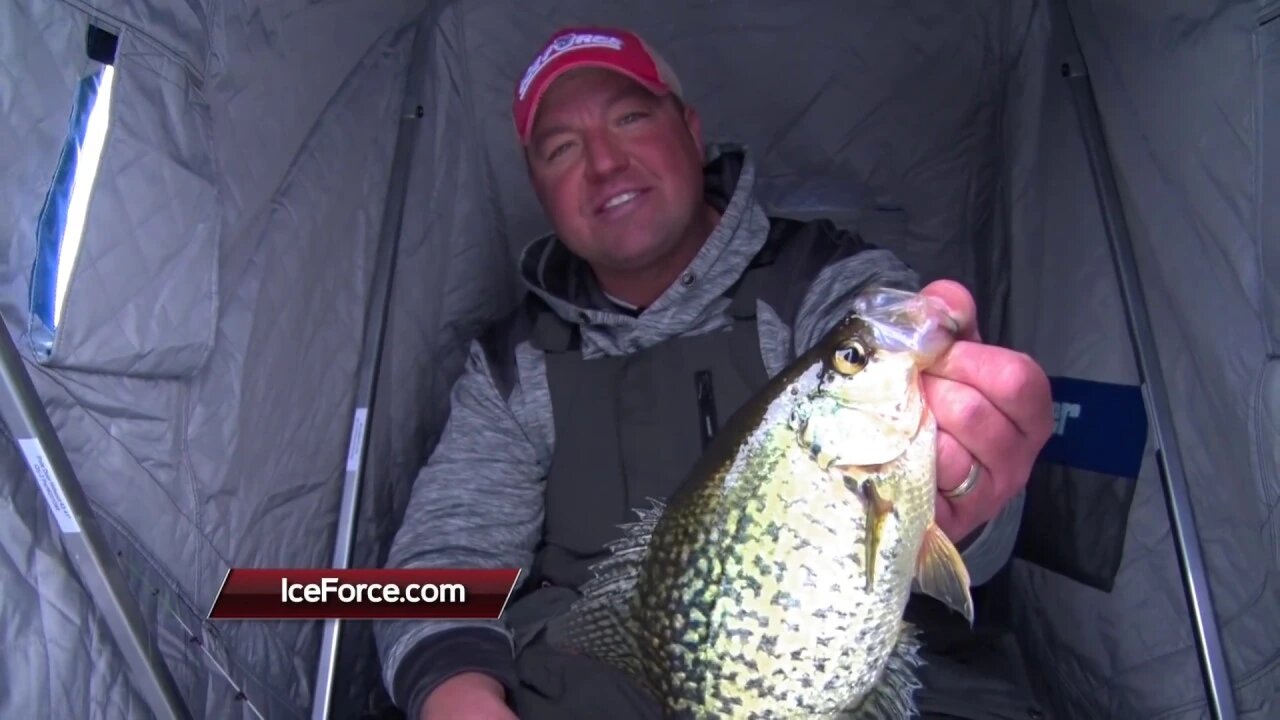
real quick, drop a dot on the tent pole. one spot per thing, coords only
(1213, 663)
(371, 358)
(24, 413)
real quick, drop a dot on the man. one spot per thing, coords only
(664, 298)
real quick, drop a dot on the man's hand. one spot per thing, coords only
(467, 696)
(993, 407)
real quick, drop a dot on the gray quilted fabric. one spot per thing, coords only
(204, 374)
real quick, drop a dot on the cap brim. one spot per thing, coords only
(547, 80)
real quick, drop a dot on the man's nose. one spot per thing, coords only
(605, 155)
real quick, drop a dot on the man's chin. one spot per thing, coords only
(636, 262)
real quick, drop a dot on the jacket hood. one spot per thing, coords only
(567, 285)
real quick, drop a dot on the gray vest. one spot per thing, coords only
(631, 427)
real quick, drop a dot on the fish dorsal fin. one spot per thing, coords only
(599, 624)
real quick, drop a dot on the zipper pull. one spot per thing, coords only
(705, 390)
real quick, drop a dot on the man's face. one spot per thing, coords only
(617, 169)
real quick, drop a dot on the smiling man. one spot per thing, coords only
(619, 171)
(664, 298)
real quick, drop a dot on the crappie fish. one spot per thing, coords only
(773, 583)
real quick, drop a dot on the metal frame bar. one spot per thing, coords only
(371, 357)
(1213, 663)
(24, 413)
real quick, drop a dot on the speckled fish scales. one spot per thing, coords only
(773, 585)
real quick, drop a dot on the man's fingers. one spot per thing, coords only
(975, 422)
(959, 516)
(960, 303)
(1010, 381)
(993, 406)
(953, 462)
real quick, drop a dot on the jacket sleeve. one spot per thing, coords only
(476, 503)
(829, 297)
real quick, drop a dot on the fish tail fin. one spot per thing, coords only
(599, 624)
(893, 695)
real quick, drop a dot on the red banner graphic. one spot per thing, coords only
(363, 594)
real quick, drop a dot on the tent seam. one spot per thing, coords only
(1265, 481)
(472, 123)
(1257, 114)
(203, 543)
(1268, 14)
(1000, 207)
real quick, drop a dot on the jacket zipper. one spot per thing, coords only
(707, 423)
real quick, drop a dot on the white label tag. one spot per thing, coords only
(58, 505)
(353, 448)
(561, 45)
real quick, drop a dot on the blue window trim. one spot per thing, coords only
(52, 223)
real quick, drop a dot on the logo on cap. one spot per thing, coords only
(561, 45)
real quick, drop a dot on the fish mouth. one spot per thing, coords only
(900, 321)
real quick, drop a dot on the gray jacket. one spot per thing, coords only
(478, 501)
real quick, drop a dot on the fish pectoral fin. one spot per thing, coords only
(941, 572)
(878, 508)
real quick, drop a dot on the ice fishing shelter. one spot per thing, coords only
(200, 200)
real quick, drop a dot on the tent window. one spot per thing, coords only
(61, 223)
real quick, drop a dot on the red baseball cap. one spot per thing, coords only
(577, 47)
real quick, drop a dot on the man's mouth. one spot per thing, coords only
(619, 200)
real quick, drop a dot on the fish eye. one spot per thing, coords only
(850, 358)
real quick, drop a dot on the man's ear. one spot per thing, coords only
(694, 122)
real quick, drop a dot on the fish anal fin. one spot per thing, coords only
(599, 624)
(941, 572)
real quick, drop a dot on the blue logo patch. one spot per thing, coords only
(1101, 427)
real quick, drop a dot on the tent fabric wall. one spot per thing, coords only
(1266, 127)
(1185, 169)
(235, 460)
(58, 658)
(1177, 90)
(250, 155)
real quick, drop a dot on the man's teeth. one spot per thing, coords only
(619, 199)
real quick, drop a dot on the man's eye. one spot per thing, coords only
(558, 150)
(631, 117)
